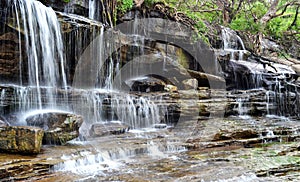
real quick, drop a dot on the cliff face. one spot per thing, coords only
(230, 61)
(10, 55)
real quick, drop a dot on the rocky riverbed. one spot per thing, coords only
(234, 148)
(140, 105)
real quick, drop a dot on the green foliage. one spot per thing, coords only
(150, 2)
(124, 5)
(243, 17)
(247, 20)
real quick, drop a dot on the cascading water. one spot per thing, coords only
(257, 72)
(233, 43)
(45, 59)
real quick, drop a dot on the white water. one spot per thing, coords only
(2, 96)
(95, 106)
(92, 9)
(45, 53)
(231, 41)
(87, 163)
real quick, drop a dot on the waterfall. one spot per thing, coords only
(93, 9)
(2, 97)
(231, 41)
(243, 106)
(44, 48)
(104, 106)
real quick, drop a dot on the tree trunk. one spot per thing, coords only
(263, 23)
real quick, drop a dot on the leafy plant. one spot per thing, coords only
(124, 5)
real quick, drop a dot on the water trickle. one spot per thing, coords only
(243, 107)
(2, 98)
(87, 162)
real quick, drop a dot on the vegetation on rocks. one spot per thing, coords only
(124, 5)
(277, 20)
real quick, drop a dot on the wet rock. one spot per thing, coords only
(170, 88)
(296, 68)
(59, 127)
(236, 134)
(104, 129)
(106, 9)
(205, 79)
(21, 139)
(160, 126)
(190, 84)
(9, 57)
(172, 114)
(3, 122)
(146, 84)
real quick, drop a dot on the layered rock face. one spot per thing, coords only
(59, 128)
(20, 139)
(10, 55)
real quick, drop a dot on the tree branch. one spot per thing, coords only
(207, 10)
(295, 18)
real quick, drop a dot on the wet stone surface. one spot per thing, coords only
(232, 149)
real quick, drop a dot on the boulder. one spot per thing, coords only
(296, 68)
(190, 83)
(170, 88)
(59, 127)
(21, 139)
(146, 84)
(111, 128)
(236, 134)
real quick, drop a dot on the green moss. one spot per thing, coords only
(124, 5)
(183, 59)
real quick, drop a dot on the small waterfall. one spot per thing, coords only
(93, 9)
(231, 41)
(233, 44)
(86, 162)
(44, 48)
(106, 106)
(242, 110)
(2, 98)
(137, 112)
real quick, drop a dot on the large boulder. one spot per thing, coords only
(21, 139)
(59, 127)
(146, 84)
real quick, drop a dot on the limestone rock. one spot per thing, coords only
(103, 129)
(190, 83)
(170, 88)
(21, 139)
(237, 134)
(9, 57)
(59, 127)
(296, 68)
(146, 84)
